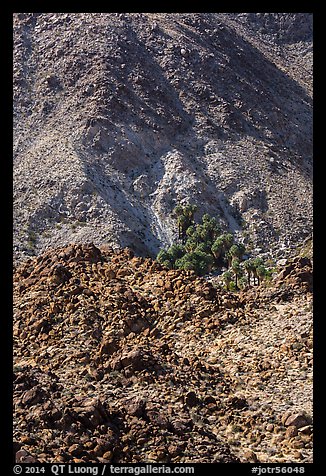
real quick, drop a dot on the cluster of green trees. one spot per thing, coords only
(203, 248)
(240, 274)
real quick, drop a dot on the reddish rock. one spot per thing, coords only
(22, 456)
(180, 427)
(33, 396)
(298, 420)
(135, 407)
(191, 399)
(108, 346)
(98, 386)
(92, 414)
(60, 274)
(238, 402)
(291, 431)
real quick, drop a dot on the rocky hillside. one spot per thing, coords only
(119, 360)
(118, 117)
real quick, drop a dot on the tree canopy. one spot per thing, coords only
(204, 248)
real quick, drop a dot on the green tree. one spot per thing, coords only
(189, 211)
(261, 273)
(191, 244)
(167, 264)
(198, 261)
(243, 282)
(178, 210)
(182, 226)
(256, 263)
(190, 230)
(193, 240)
(221, 246)
(162, 256)
(210, 228)
(176, 251)
(218, 248)
(227, 278)
(205, 248)
(232, 286)
(204, 232)
(249, 267)
(185, 216)
(170, 256)
(228, 240)
(237, 251)
(237, 270)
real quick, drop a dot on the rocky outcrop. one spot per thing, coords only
(120, 360)
(298, 271)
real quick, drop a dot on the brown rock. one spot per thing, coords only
(135, 407)
(27, 440)
(152, 381)
(285, 416)
(181, 426)
(60, 274)
(22, 456)
(291, 431)
(107, 456)
(137, 325)
(108, 346)
(98, 450)
(238, 402)
(297, 444)
(92, 414)
(158, 418)
(136, 360)
(305, 430)
(191, 399)
(298, 420)
(169, 295)
(297, 455)
(176, 449)
(161, 453)
(250, 456)
(110, 273)
(33, 396)
(75, 450)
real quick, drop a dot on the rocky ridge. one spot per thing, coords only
(117, 359)
(118, 117)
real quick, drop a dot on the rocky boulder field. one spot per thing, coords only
(117, 359)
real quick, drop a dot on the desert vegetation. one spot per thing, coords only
(204, 248)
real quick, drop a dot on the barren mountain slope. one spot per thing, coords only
(117, 117)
